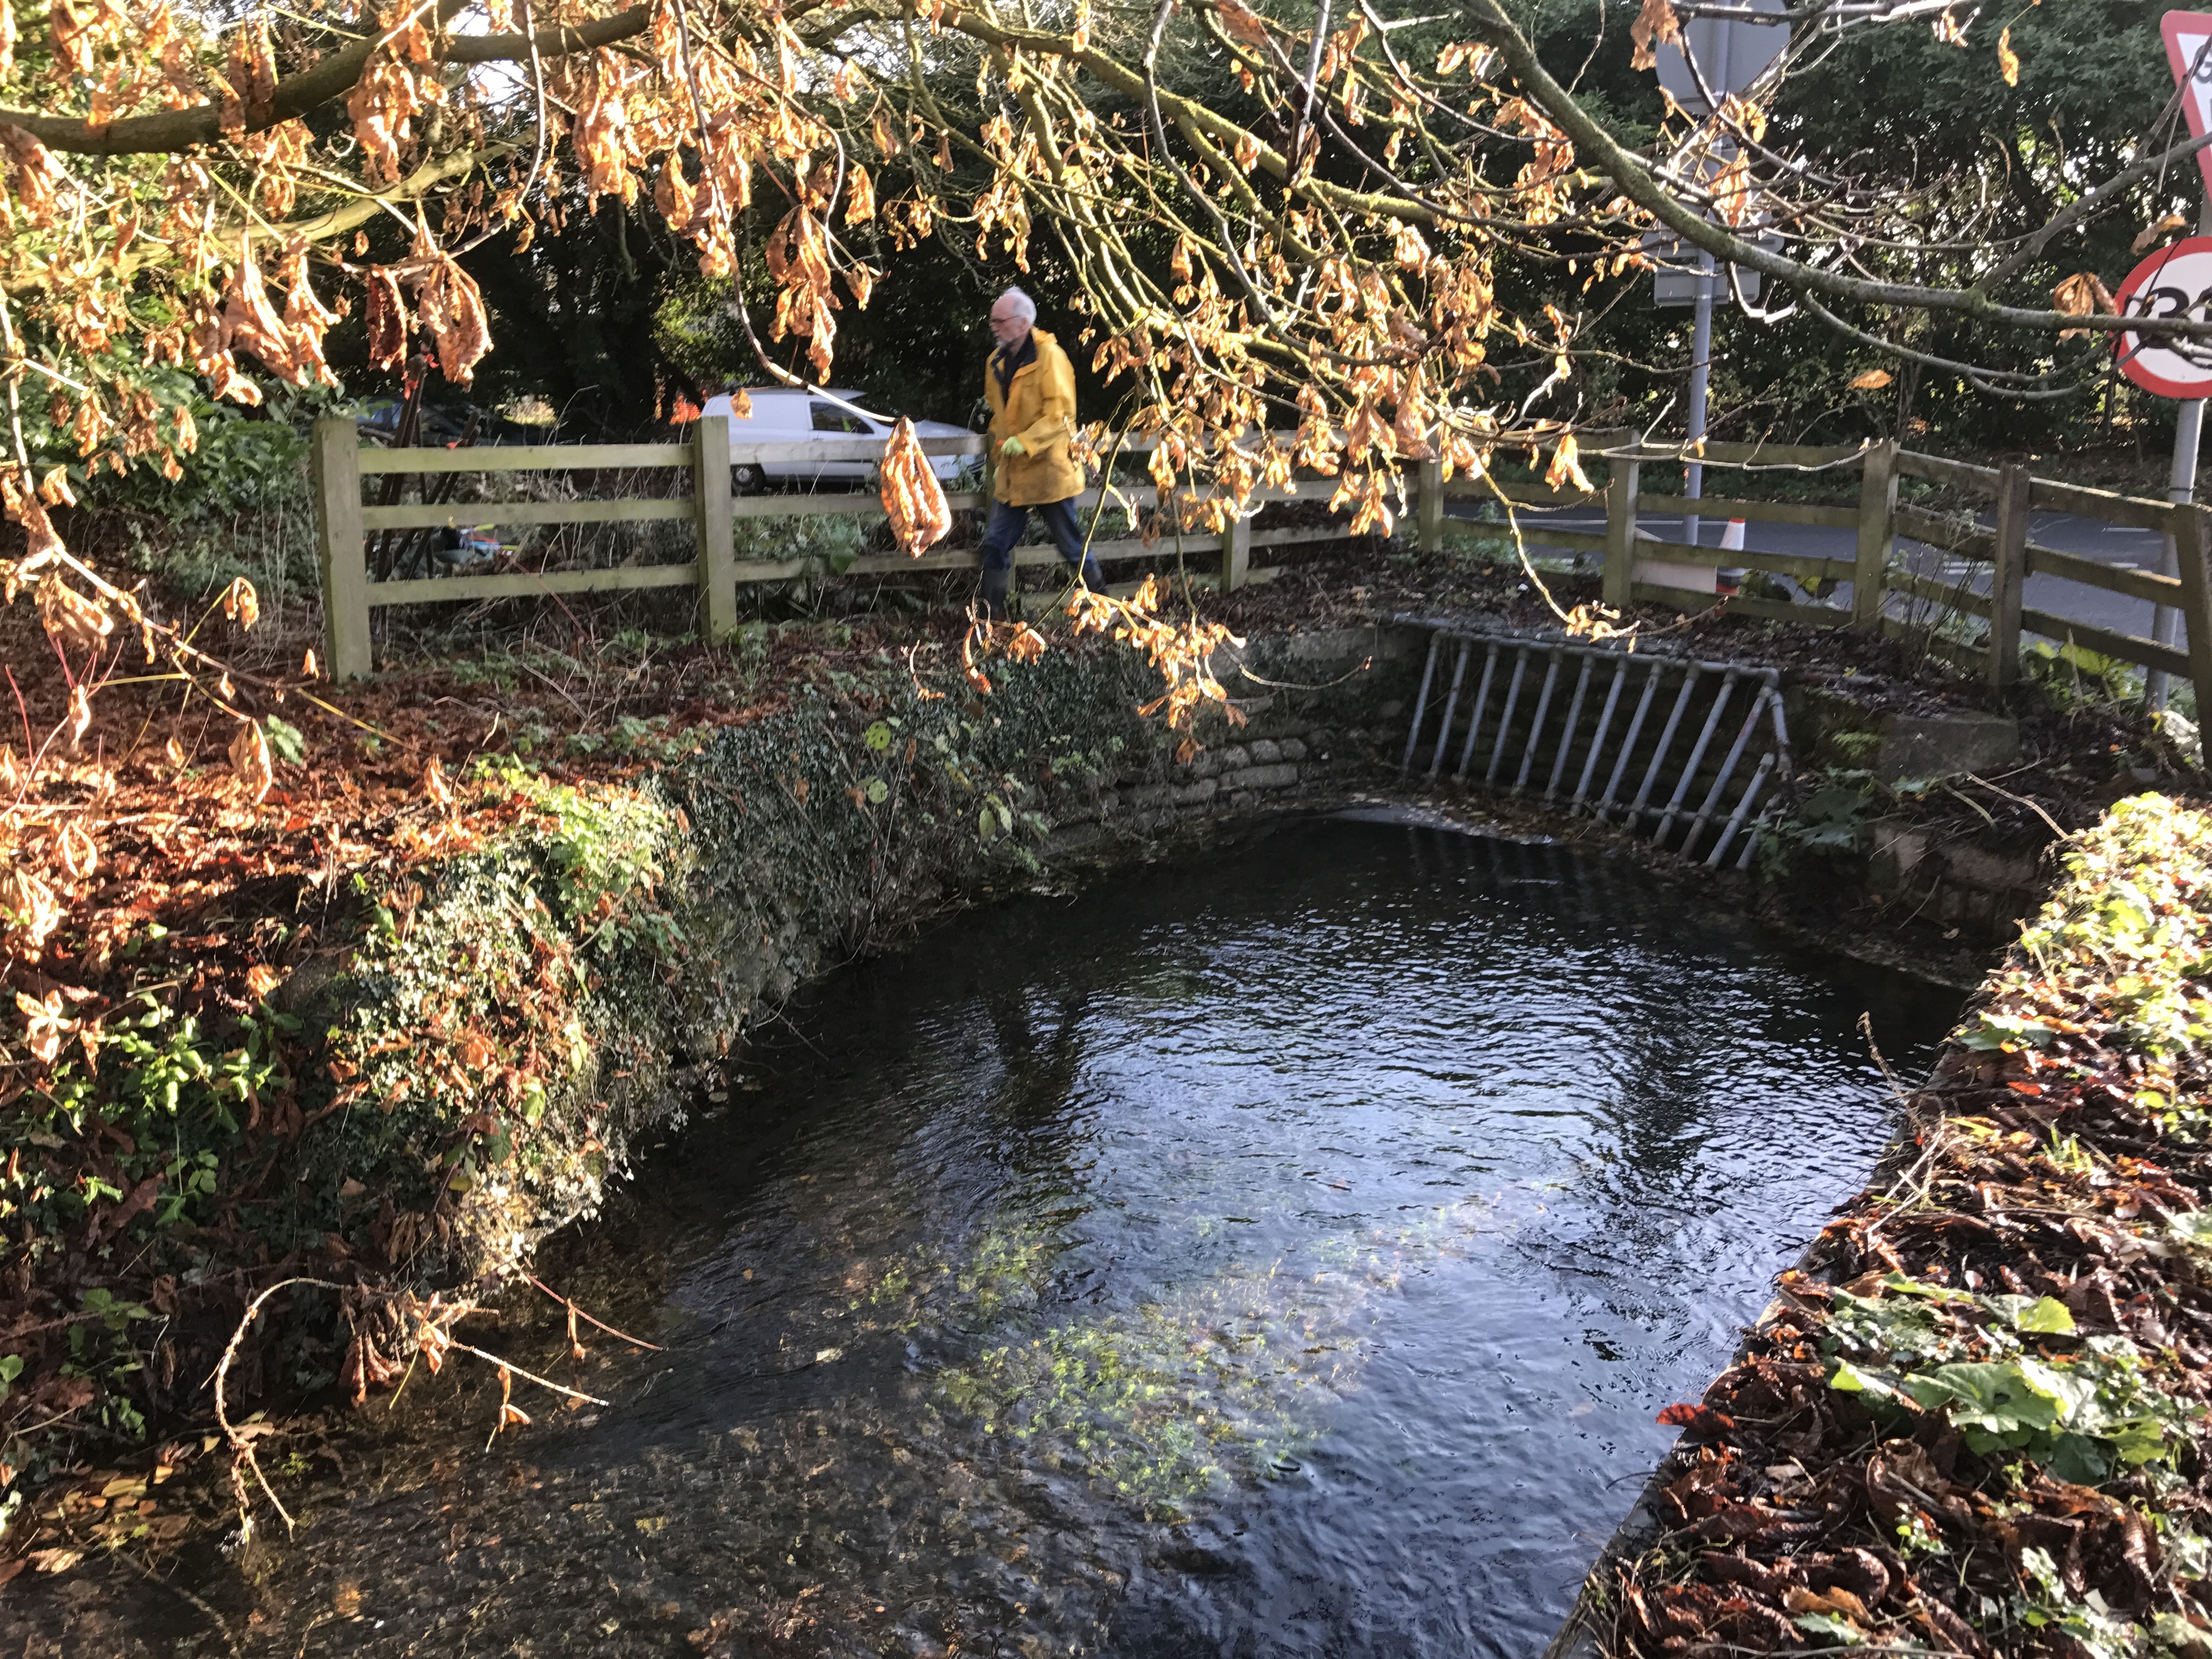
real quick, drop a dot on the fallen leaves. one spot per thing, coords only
(1962, 1420)
(1873, 380)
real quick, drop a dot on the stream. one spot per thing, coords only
(1281, 1251)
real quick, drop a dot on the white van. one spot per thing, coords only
(792, 414)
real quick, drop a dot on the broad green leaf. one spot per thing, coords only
(1850, 1379)
(1997, 1398)
(1827, 1623)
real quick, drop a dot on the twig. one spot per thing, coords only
(509, 1365)
(570, 1305)
(239, 1445)
(2020, 800)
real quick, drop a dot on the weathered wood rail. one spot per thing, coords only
(1886, 594)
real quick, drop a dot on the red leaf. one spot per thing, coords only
(1700, 1422)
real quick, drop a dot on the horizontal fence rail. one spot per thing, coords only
(1971, 615)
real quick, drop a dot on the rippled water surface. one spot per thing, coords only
(1275, 1253)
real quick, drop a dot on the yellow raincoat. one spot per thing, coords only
(1039, 408)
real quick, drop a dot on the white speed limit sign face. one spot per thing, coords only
(2174, 282)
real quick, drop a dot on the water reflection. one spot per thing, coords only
(1277, 1254)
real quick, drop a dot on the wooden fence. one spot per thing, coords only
(1887, 594)
(341, 461)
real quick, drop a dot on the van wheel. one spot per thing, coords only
(748, 479)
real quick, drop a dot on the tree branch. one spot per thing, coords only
(322, 83)
(1637, 183)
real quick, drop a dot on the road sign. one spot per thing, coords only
(2174, 282)
(1678, 273)
(1731, 55)
(2188, 38)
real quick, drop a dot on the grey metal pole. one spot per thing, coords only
(1701, 352)
(2181, 489)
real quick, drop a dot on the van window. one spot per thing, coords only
(828, 418)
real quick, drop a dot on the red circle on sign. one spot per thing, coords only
(2181, 275)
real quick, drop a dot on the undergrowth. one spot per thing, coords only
(1978, 1421)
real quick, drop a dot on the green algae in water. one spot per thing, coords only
(1172, 1400)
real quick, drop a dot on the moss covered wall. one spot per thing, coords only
(501, 1037)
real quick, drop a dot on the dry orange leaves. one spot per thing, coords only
(912, 496)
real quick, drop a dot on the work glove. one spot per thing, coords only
(1013, 447)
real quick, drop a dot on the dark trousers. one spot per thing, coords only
(1006, 528)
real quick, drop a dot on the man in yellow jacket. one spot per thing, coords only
(1031, 388)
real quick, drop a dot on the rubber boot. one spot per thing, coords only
(992, 600)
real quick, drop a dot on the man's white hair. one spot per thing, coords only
(1024, 307)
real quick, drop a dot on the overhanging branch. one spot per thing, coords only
(322, 83)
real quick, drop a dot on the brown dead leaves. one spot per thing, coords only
(2079, 296)
(912, 496)
(1182, 653)
(249, 758)
(1657, 22)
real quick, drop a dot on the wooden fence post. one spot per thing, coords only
(1432, 503)
(710, 494)
(1620, 534)
(2192, 546)
(1237, 555)
(337, 471)
(2009, 574)
(1877, 526)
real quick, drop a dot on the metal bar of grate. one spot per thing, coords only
(1421, 703)
(1567, 732)
(1696, 757)
(1452, 702)
(1736, 818)
(1474, 719)
(1536, 726)
(1666, 743)
(1727, 770)
(1604, 809)
(1597, 742)
(1506, 719)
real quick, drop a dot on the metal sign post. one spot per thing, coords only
(1701, 363)
(2174, 282)
(2167, 285)
(1729, 56)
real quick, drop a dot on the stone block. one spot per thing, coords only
(1266, 751)
(1208, 765)
(1192, 794)
(1943, 745)
(1292, 748)
(1150, 795)
(1280, 775)
(1234, 759)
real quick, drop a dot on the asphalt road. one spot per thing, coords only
(2114, 545)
